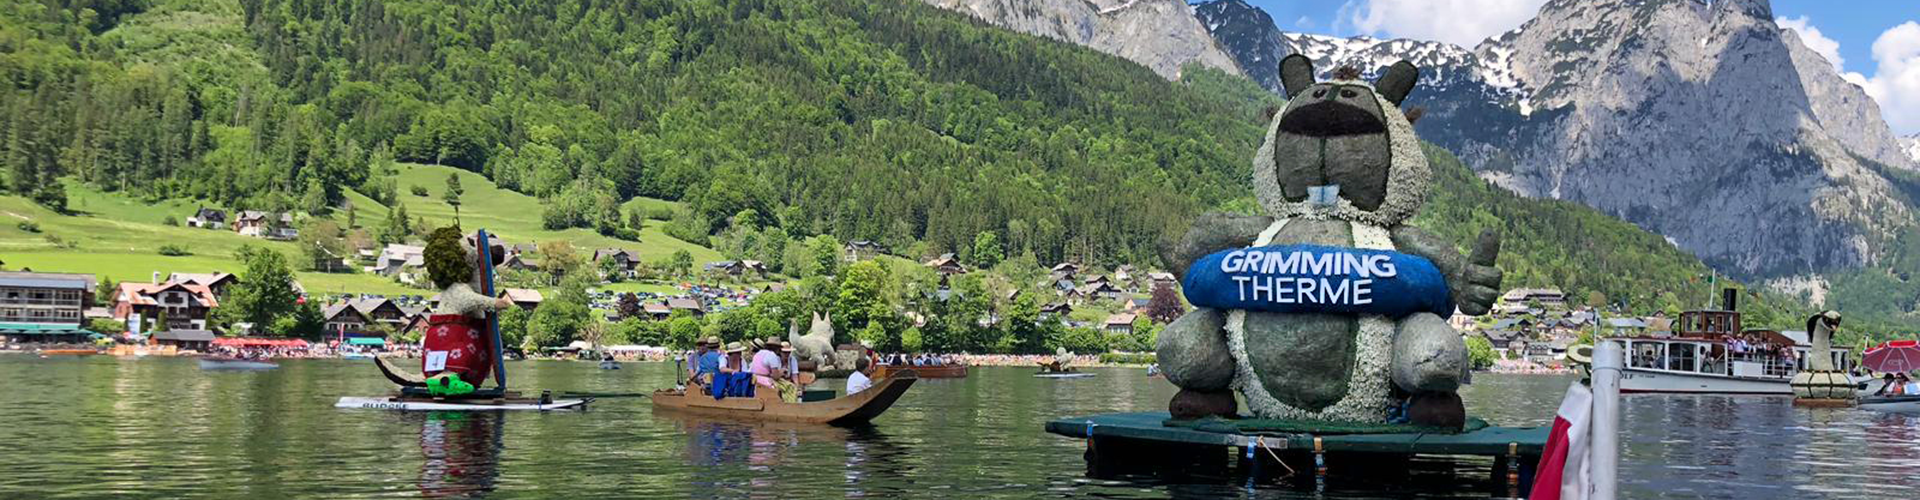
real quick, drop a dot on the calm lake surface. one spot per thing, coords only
(162, 428)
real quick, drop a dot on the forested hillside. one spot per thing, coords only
(871, 119)
(858, 119)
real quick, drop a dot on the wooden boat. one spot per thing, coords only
(68, 352)
(766, 404)
(1894, 404)
(230, 363)
(934, 371)
(507, 401)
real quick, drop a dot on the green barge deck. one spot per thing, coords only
(1119, 443)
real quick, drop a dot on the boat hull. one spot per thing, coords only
(407, 404)
(942, 371)
(767, 406)
(1892, 404)
(1650, 381)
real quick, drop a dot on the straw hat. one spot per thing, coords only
(733, 347)
(713, 341)
(786, 347)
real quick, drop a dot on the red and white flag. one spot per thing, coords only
(1564, 472)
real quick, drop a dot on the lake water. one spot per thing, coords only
(162, 428)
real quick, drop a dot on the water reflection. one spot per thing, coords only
(160, 428)
(461, 452)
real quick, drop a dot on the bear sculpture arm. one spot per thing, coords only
(1474, 280)
(1211, 233)
(462, 299)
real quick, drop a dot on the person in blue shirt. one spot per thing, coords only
(708, 363)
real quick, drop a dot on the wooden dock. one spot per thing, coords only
(1120, 443)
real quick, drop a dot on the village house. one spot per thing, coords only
(1546, 297)
(184, 305)
(686, 304)
(361, 316)
(267, 225)
(525, 298)
(1123, 275)
(1120, 323)
(1101, 290)
(1161, 279)
(1065, 270)
(624, 260)
(217, 282)
(520, 262)
(774, 287)
(196, 340)
(1055, 310)
(1626, 327)
(208, 218)
(737, 268)
(858, 250)
(947, 265)
(44, 307)
(656, 311)
(400, 261)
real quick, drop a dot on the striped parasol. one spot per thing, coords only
(1893, 356)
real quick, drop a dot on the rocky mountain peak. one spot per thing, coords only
(1162, 35)
(1703, 121)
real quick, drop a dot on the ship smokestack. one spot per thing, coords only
(1730, 298)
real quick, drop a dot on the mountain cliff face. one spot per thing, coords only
(1911, 144)
(1160, 34)
(1706, 123)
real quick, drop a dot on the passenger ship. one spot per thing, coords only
(1698, 357)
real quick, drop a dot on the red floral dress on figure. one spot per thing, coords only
(457, 339)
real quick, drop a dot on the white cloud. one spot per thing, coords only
(1460, 22)
(1304, 23)
(1814, 40)
(1896, 80)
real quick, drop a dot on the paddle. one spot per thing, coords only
(493, 317)
(598, 395)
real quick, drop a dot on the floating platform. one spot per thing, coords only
(1121, 443)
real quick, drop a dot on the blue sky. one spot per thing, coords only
(1849, 30)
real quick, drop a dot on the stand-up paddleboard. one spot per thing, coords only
(1062, 375)
(409, 404)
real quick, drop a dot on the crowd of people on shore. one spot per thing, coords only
(1524, 367)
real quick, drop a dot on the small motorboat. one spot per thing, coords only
(1892, 404)
(232, 363)
(356, 356)
(609, 364)
(766, 405)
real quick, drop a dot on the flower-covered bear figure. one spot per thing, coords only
(1329, 308)
(457, 346)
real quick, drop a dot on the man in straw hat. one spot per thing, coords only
(732, 362)
(709, 362)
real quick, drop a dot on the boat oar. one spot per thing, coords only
(601, 395)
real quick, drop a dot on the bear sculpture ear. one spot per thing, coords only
(1296, 74)
(1397, 82)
